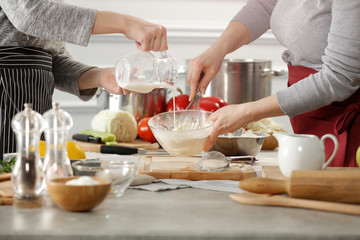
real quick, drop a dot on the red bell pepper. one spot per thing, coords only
(211, 103)
(181, 102)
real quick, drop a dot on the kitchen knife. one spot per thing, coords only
(338, 185)
(86, 138)
(122, 150)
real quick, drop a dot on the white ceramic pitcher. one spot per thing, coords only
(303, 152)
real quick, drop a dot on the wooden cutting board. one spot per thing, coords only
(6, 193)
(5, 176)
(167, 167)
(137, 143)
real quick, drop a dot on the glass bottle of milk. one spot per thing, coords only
(143, 71)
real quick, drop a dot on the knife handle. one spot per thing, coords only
(86, 138)
(116, 149)
(265, 185)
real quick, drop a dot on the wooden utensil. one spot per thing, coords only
(283, 201)
(341, 185)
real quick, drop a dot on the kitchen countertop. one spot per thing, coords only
(178, 214)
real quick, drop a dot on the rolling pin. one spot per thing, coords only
(342, 185)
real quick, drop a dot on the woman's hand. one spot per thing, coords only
(101, 77)
(148, 36)
(108, 82)
(209, 62)
(230, 118)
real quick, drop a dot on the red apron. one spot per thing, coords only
(339, 118)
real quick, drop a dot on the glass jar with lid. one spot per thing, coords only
(144, 71)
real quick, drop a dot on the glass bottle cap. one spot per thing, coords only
(57, 119)
(27, 120)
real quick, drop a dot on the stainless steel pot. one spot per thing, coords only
(242, 80)
(140, 105)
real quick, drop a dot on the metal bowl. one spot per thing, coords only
(243, 145)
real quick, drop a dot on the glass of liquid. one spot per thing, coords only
(144, 71)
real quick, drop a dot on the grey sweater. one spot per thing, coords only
(47, 25)
(320, 34)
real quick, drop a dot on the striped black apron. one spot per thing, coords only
(25, 77)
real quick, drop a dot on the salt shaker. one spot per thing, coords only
(143, 71)
(27, 175)
(57, 123)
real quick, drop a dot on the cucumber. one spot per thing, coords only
(105, 137)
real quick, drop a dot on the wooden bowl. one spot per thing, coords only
(78, 198)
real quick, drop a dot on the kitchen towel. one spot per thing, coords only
(171, 184)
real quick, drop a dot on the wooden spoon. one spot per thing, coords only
(283, 201)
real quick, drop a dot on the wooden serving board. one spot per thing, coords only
(167, 167)
(137, 143)
(5, 176)
(6, 193)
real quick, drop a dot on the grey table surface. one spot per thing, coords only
(176, 214)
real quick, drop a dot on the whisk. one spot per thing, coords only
(191, 117)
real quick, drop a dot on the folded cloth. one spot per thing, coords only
(158, 186)
(171, 184)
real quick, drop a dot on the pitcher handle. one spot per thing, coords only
(336, 147)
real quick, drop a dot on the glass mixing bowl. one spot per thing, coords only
(176, 137)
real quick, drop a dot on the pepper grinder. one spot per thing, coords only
(57, 124)
(27, 175)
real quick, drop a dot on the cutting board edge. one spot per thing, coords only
(198, 175)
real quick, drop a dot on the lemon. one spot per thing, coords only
(42, 148)
(74, 150)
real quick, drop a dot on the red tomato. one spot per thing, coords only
(144, 130)
(212, 103)
(160, 105)
(181, 102)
